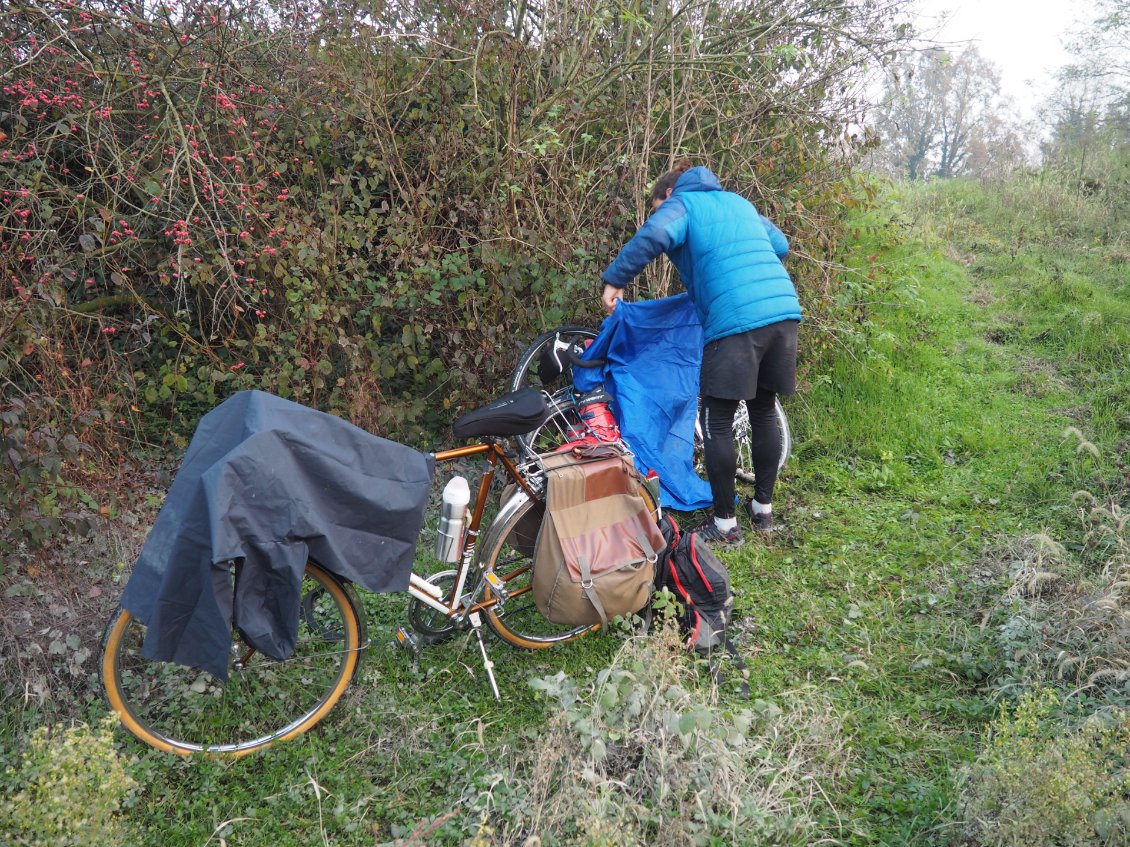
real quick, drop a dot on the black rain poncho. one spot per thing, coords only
(273, 483)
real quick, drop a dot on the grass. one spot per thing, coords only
(920, 461)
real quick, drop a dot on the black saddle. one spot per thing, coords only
(517, 413)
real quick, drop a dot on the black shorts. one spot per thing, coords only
(735, 367)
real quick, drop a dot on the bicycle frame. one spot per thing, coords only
(151, 698)
(432, 595)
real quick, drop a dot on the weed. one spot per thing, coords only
(644, 755)
(1065, 609)
(55, 612)
(37, 501)
(1038, 781)
(67, 790)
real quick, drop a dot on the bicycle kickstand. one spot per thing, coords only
(477, 626)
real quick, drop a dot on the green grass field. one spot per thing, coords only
(885, 628)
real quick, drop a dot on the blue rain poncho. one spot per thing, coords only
(652, 351)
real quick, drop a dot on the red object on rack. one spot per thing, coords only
(599, 419)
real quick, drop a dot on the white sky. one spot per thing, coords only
(1023, 38)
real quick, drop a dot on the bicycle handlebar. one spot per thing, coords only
(583, 363)
(569, 349)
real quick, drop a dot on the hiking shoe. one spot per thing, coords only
(760, 521)
(711, 534)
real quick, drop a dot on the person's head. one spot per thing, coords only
(666, 183)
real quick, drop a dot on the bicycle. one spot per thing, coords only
(543, 366)
(185, 710)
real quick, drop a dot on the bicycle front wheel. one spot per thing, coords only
(187, 710)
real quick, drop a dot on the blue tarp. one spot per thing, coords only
(652, 351)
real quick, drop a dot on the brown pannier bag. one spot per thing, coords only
(596, 550)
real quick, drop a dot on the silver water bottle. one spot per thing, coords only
(453, 517)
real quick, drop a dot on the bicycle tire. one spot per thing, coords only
(525, 374)
(509, 556)
(184, 710)
(554, 432)
(743, 444)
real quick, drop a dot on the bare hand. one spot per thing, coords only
(609, 297)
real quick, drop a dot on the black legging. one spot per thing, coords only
(722, 457)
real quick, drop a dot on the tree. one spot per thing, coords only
(943, 116)
(1089, 113)
(1102, 46)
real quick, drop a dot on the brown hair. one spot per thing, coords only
(666, 182)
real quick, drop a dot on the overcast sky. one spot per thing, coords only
(1023, 38)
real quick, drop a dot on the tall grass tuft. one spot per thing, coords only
(1036, 783)
(645, 755)
(1069, 604)
(1054, 210)
(1056, 765)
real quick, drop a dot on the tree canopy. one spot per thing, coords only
(943, 115)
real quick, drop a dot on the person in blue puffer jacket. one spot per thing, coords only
(729, 258)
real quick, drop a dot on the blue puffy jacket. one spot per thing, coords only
(728, 256)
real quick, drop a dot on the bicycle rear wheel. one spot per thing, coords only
(529, 373)
(187, 710)
(508, 553)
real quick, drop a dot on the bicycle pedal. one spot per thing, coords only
(407, 641)
(497, 586)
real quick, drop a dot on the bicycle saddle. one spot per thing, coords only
(514, 414)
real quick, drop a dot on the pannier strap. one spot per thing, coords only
(590, 591)
(648, 550)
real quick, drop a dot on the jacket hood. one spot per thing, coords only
(697, 179)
